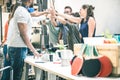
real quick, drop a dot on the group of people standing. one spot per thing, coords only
(69, 27)
(74, 27)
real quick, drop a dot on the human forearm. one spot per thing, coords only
(62, 20)
(53, 21)
(23, 33)
(70, 18)
(36, 13)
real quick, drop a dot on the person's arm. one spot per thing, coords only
(55, 18)
(52, 16)
(5, 33)
(70, 18)
(91, 25)
(36, 13)
(62, 20)
(53, 21)
(23, 33)
(59, 36)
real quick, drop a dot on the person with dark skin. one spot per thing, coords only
(20, 40)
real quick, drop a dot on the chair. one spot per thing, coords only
(11, 71)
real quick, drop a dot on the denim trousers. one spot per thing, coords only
(6, 73)
(17, 56)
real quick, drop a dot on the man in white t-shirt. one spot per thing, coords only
(20, 40)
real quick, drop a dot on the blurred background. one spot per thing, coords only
(107, 13)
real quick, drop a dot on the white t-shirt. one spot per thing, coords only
(10, 31)
(21, 15)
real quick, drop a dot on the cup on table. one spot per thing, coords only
(51, 57)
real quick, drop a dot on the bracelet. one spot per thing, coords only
(33, 51)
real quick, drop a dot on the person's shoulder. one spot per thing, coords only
(20, 9)
(91, 19)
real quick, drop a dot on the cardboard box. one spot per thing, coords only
(112, 51)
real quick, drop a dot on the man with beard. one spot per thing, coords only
(20, 40)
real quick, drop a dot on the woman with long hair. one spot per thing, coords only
(86, 20)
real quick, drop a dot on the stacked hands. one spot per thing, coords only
(51, 11)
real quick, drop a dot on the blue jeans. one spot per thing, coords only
(17, 56)
(6, 73)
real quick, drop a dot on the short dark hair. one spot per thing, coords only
(24, 0)
(12, 7)
(68, 7)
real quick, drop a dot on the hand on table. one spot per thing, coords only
(36, 54)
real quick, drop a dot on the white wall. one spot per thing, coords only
(107, 12)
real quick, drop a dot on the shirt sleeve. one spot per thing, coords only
(21, 15)
(59, 24)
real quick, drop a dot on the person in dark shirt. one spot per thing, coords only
(86, 20)
(63, 28)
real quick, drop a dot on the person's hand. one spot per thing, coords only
(46, 11)
(2, 44)
(52, 11)
(36, 54)
(80, 35)
(7, 56)
(56, 13)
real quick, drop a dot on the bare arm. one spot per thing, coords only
(36, 13)
(5, 33)
(54, 18)
(91, 25)
(59, 36)
(53, 21)
(62, 20)
(23, 33)
(70, 18)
